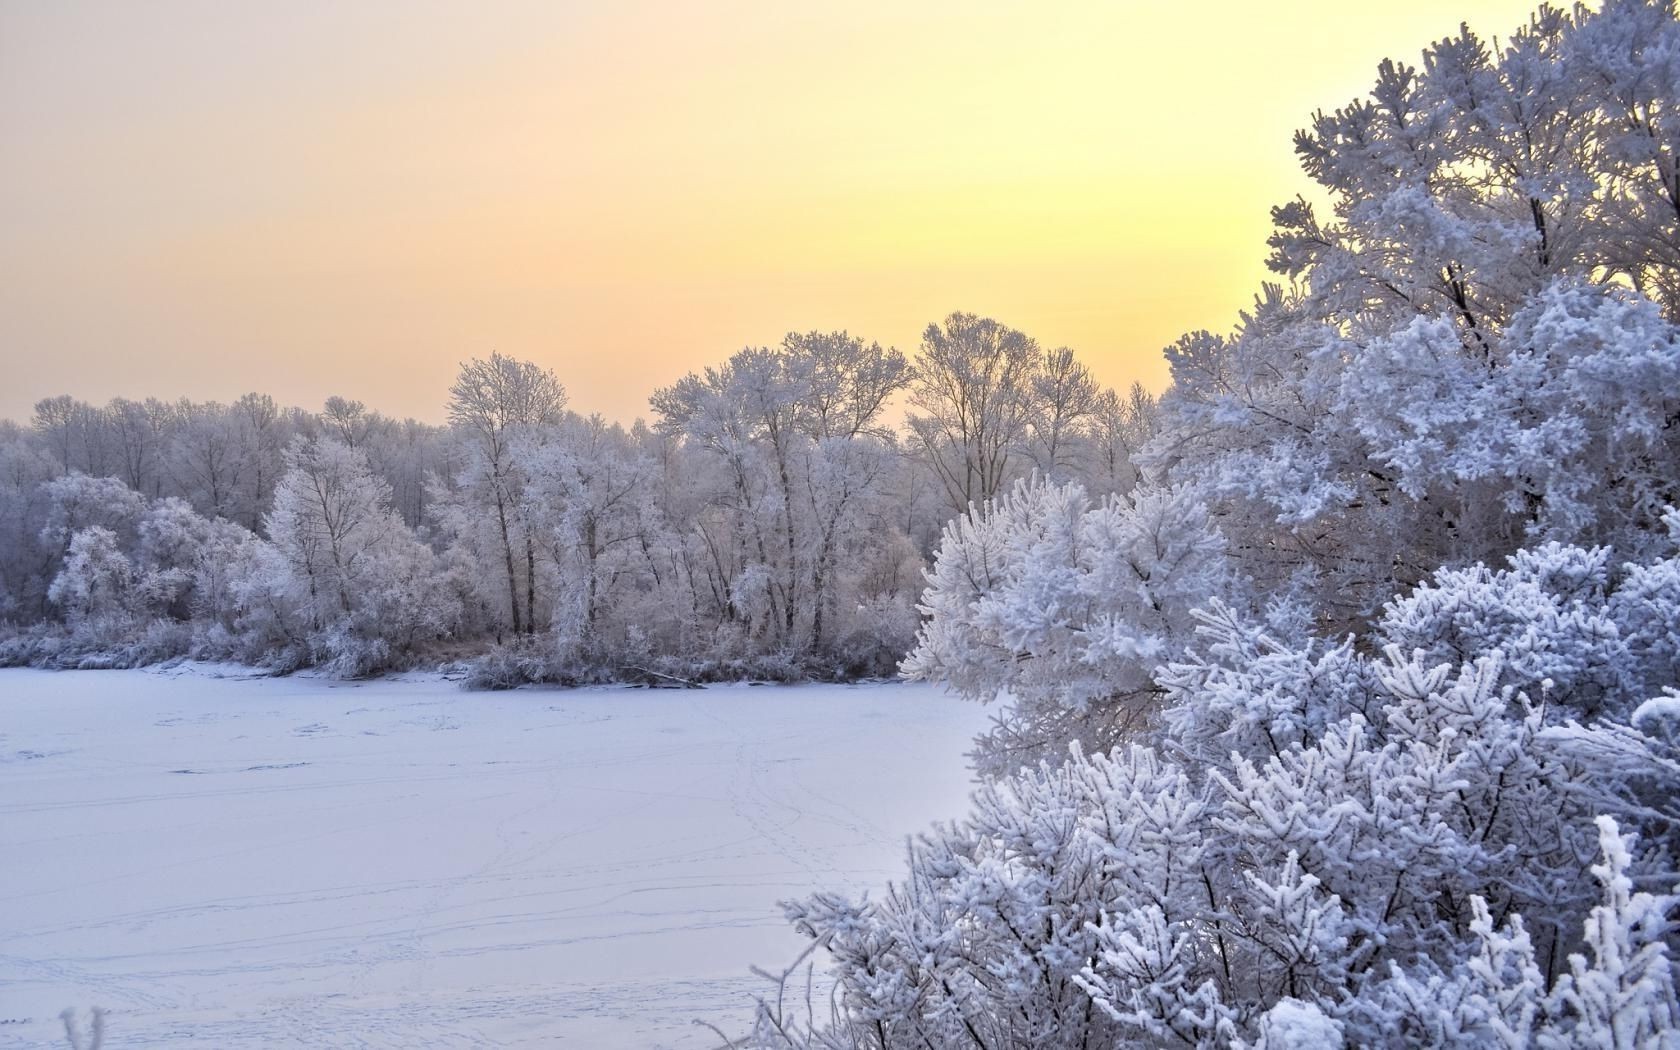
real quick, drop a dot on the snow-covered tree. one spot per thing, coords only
(24, 472)
(355, 578)
(493, 403)
(1476, 350)
(791, 474)
(1066, 609)
(96, 586)
(1067, 399)
(974, 401)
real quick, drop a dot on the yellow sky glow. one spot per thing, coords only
(315, 198)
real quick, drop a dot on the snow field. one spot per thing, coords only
(237, 862)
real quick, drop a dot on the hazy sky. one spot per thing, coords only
(314, 198)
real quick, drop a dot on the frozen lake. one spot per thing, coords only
(228, 862)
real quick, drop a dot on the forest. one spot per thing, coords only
(772, 522)
(1337, 689)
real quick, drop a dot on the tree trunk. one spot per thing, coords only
(530, 586)
(507, 551)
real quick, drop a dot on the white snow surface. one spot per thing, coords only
(256, 862)
(1292, 1024)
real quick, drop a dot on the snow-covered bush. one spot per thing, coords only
(1618, 992)
(508, 667)
(1315, 835)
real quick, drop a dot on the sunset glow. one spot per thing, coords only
(317, 198)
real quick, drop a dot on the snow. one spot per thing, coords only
(1295, 1025)
(1658, 709)
(253, 862)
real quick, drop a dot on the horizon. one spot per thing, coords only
(313, 201)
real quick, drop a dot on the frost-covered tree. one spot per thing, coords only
(773, 521)
(25, 552)
(746, 414)
(586, 491)
(1066, 608)
(792, 471)
(159, 579)
(96, 586)
(1475, 351)
(1067, 399)
(78, 435)
(77, 501)
(493, 402)
(848, 383)
(261, 434)
(205, 457)
(973, 404)
(357, 582)
(1118, 428)
(140, 431)
(1618, 992)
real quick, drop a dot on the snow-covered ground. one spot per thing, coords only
(229, 862)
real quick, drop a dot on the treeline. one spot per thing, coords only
(773, 520)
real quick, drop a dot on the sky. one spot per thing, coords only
(313, 198)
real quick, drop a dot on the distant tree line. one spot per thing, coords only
(772, 520)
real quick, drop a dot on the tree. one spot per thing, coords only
(585, 484)
(76, 501)
(1482, 241)
(1433, 477)
(792, 435)
(975, 400)
(849, 382)
(204, 457)
(1066, 398)
(24, 550)
(747, 412)
(1119, 429)
(140, 445)
(260, 433)
(55, 419)
(491, 403)
(1067, 609)
(354, 572)
(347, 421)
(96, 585)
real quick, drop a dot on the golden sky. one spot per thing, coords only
(317, 197)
